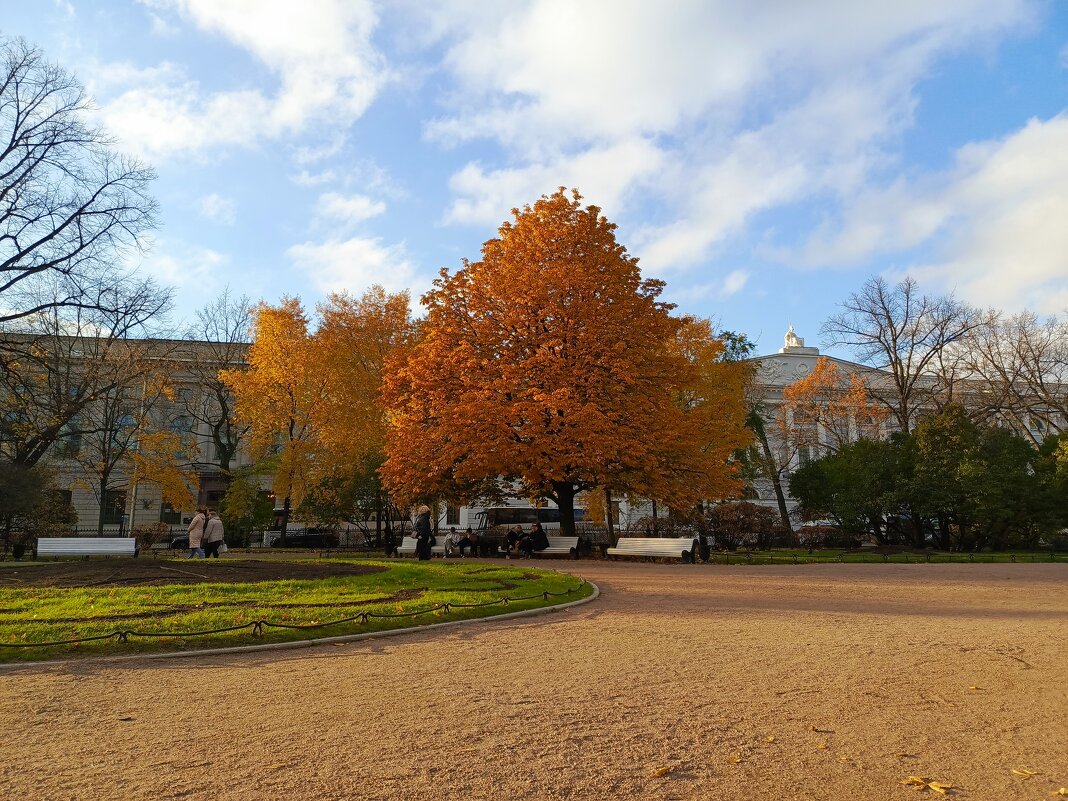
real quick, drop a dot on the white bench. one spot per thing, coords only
(682, 548)
(86, 546)
(407, 546)
(558, 546)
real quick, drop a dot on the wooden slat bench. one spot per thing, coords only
(558, 546)
(407, 546)
(682, 548)
(86, 546)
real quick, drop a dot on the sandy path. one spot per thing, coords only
(675, 666)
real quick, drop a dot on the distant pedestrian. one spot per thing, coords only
(213, 535)
(196, 533)
(470, 540)
(424, 537)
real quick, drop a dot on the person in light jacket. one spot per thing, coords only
(213, 535)
(196, 533)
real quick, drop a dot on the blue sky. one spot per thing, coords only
(763, 158)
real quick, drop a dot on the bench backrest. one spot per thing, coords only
(655, 543)
(563, 542)
(86, 546)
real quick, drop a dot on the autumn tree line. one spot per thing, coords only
(549, 368)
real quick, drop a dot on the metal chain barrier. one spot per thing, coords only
(258, 626)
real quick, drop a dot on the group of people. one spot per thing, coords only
(523, 544)
(205, 534)
(517, 542)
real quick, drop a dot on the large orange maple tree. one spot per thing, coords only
(553, 364)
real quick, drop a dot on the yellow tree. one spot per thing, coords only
(161, 459)
(279, 397)
(827, 409)
(552, 363)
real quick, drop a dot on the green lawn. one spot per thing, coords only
(47, 614)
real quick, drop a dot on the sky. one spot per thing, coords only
(763, 158)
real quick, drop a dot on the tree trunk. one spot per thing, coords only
(565, 499)
(656, 529)
(285, 519)
(608, 517)
(776, 481)
(103, 498)
(378, 516)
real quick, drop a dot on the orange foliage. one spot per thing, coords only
(826, 400)
(553, 363)
(158, 459)
(280, 394)
(311, 399)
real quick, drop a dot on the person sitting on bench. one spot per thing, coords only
(515, 536)
(470, 540)
(452, 542)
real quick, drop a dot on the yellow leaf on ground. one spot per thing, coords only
(1062, 791)
(734, 759)
(974, 687)
(656, 774)
(1025, 773)
(770, 738)
(915, 781)
(821, 745)
(938, 787)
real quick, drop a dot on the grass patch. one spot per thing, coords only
(46, 614)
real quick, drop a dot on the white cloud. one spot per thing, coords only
(720, 289)
(348, 209)
(182, 265)
(305, 178)
(354, 264)
(218, 209)
(994, 223)
(737, 109)
(328, 73)
(603, 175)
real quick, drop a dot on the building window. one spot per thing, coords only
(114, 507)
(452, 515)
(168, 514)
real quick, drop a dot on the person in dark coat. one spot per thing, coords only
(536, 540)
(424, 537)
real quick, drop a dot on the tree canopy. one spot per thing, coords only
(552, 363)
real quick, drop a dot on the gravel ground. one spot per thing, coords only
(680, 682)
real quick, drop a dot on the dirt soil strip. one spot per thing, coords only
(681, 682)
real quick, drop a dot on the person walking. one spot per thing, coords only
(424, 537)
(196, 533)
(213, 535)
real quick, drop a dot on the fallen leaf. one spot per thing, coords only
(915, 781)
(974, 687)
(734, 759)
(821, 745)
(940, 788)
(656, 774)
(770, 738)
(1062, 791)
(903, 755)
(1025, 773)
(821, 731)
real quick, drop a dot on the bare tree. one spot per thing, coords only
(62, 360)
(71, 208)
(906, 334)
(222, 337)
(1018, 372)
